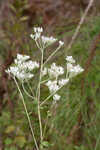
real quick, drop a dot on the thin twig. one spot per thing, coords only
(52, 55)
(27, 92)
(80, 23)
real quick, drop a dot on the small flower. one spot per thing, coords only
(56, 97)
(74, 70)
(38, 29)
(32, 36)
(62, 82)
(37, 35)
(61, 43)
(12, 70)
(31, 65)
(70, 59)
(44, 72)
(47, 40)
(55, 71)
(52, 85)
(22, 57)
(69, 67)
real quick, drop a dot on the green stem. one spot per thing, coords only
(38, 98)
(52, 55)
(27, 92)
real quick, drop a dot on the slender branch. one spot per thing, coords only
(44, 81)
(51, 55)
(50, 96)
(27, 92)
(30, 88)
(80, 23)
(45, 126)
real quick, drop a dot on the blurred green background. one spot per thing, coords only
(75, 121)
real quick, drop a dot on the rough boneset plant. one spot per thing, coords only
(54, 77)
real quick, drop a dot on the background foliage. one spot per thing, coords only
(74, 125)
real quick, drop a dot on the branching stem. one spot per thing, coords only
(29, 121)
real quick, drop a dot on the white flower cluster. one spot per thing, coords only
(55, 71)
(70, 59)
(52, 85)
(22, 67)
(55, 84)
(56, 98)
(48, 40)
(37, 34)
(43, 41)
(73, 69)
(62, 82)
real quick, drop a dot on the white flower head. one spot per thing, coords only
(69, 67)
(32, 36)
(48, 40)
(76, 70)
(44, 40)
(22, 68)
(38, 29)
(31, 65)
(70, 59)
(37, 35)
(21, 57)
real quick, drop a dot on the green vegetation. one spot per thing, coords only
(75, 122)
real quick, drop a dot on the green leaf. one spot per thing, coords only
(8, 141)
(13, 148)
(10, 129)
(20, 141)
(25, 18)
(45, 143)
(12, 8)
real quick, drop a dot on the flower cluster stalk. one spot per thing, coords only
(38, 97)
